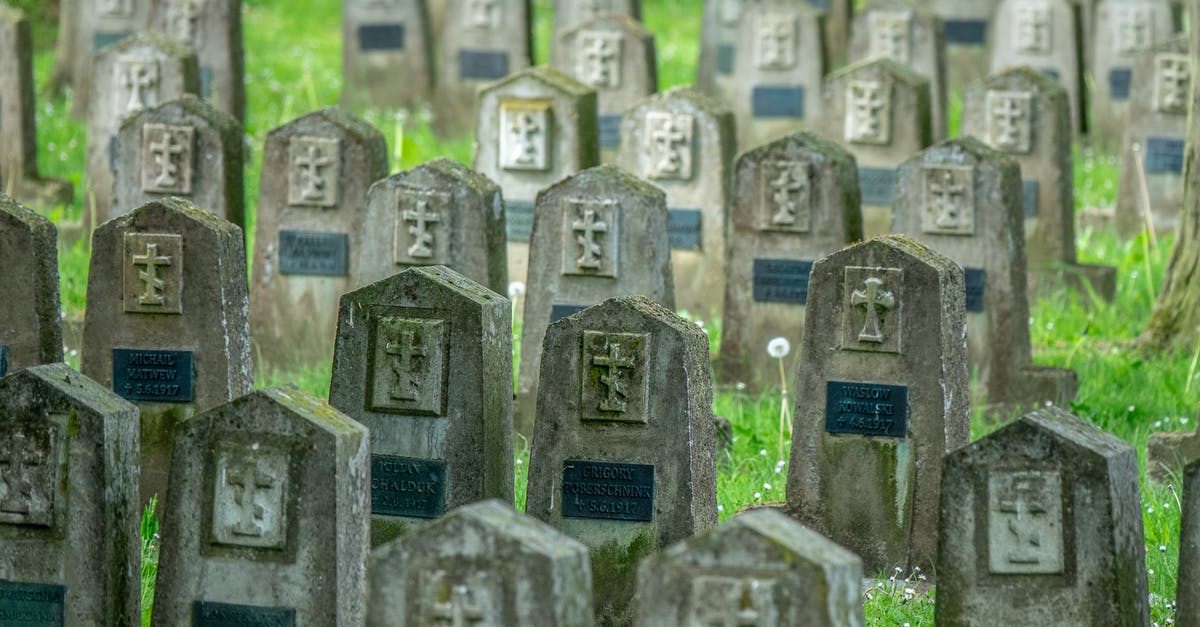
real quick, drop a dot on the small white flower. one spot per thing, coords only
(757, 496)
(515, 289)
(700, 323)
(1149, 571)
(779, 347)
(1183, 421)
(518, 462)
(909, 593)
(766, 486)
(762, 451)
(1050, 325)
(1157, 424)
(1166, 506)
(1162, 548)
(74, 352)
(720, 508)
(1150, 509)
(1130, 409)
(740, 385)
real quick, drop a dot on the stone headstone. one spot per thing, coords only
(879, 110)
(481, 564)
(598, 234)
(18, 114)
(482, 42)
(614, 55)
(69, 510)
(1122, 29)
(684, 142)
(967, 26)
(265, 522)
(214, 29)
(424, 360)
(623, 454)
(166, 323)
(718, 46)
(882, 393)
(30, 328)
(438, 213)
(383, 40)
(1155, 136)
(761, 568)
(571, 13)
(776, 83)
(1044, 35)
(795, 200)
(906, 32)
(1023, 113)
(838, 19)
(965, 200)
(1188, 581)
(139, 73)
(1041, 523)
(98, 25)
(311, 224)
(185, 148)
(534, 128)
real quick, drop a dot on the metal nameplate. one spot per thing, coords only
(558, 312)
(608, 490)
(482, 65)
(876, 185)
(966, 32)
(683, 228)
(975, 283)
(101, 39)
(3, 360)
(820, 4)
(31, 604)
(518, 220)
(406, 486)
(781, 280)
(1029, 198)
(1051, 72)
(158, 376)
(610, 130)
(380, 37)
(313, 253)
(212, 614)
(206, 81)
(866, 408)
(725, 58)
(777, 101)
(1118, 83)
(1164, 155)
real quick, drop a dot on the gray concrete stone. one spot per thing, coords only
(30, 326)
(383, 40)
(97, 26)
(1188, 583)
(1044, 35)
(718, 46)
(1121, 29)
(967, 25)
(570, 13)
(482, 41)
(214, 29)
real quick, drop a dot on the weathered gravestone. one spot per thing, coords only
(214, 29)
(882, 393)
(383, 40)
(776, 83)
(1041, 523)
(906, 32)
(1024, 114)
(534, 128)
(623, 453)
(761, 568)
(795, 200)
(424, 360)
(166, 320)
(266, 518)
(879, 110)
(684, 142)
(482, 564)
(1044, 35)
(967, 25)
(613, 55)
(438, 213)
(18, 118)
(1122, 29)
(185, 148)
(69, 547)
(1188, 582)
(481, 42)
(571, 13)
(1154, 138)
(98, 25)
(598, 234)
(139, 73)
(718, 46)
(311, 223)
(30, 331)
(964, 200)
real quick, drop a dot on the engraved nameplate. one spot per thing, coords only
(608, 490)
(558, 312)
(777, 101)
(614, 379)
(380, 37)
(725, 54)
(3, 360)
(250, 494)
(104, 39)
(684, 228)
(212, 614)
(966, 32)
(974, 279)
(29, 467)
(518, 220)
(153, 273)
(313, 253)
(31, 604)
(159, 376)
(482, 65)
(1118, 83)
(1164, 155)
(1029, 198)
(781, 280)
(409, 366)
(876, 185)
(866, 408)
(609, 127)
(404, 486)
(1024, 522)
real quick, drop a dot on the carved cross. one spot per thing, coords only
(600, 52)
(890, 37)
(1024, 500)
(421, 218)
(947, 194)
(114, 8)
(668, 140)
(525, 127)
(1134, 30)
(788, 186)
(592, 8)
(867, 103)
(403, 355)
(460, 611)
(613, 361)
(873, 298)
(163, 152)
(152, 291)
(184, 19)
(1007, 116)
(1174, 79)
(775, 42)
(483, 13)
(246, 482)
(588, 226)
(137, 78)
(1033, 28)
(310, 163)
(18, 463)
(731, 605)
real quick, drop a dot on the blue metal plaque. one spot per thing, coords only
(866, 408)
(610, 130)
(875, 185)
(518, 220)
(608, 490)
(206, 81)
(482, 65)
(975, 283)
(380, 37)
(777, 101)
(683, 228)
(313, 253)
(3, 360)
(101, 39)
(112, 152)
(1051, 72)
(1029, 197)
(158, 376)
(405, 486)
(820, 4)
(781, 280)
(1118, 83)
(211, 614)
(1164, 155)
(725, 58)
(31, 604)
(966, 32)
(558, 312)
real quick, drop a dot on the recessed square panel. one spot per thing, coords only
(167, 162)
(409, 366)
(314, 171)
(948, 207)
(29, 469)
(591, 237)
(152, 267)
(250, 494)
(872, 309)
(1025, 522)
(614, 378)
(526, 131)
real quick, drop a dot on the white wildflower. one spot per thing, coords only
(779, 347)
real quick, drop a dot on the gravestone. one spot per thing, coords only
(795, 200)
(1122, 29)
(534, 128)
(1044, 35)
(139, 73)
(965, 200)
(481, 564)
(265, 522)
(1157, 127)
(98, 25)
(30, 331)
(718, 46)
(482, 41)
(166, 324)
(185, 148)
(214, 29)
(614, 55)
(909, 34)
(598, 234)
(837, 22)
(776, 83)
(424, 360)
(18, 119)
(624, 450)
(761, 568)
(383, 40)
(967, 26)
(879, 111)
(438, 213)
(69, 510)
(1188, 582)
(1041, 523)
(310, 227)
(684, 142)
(1024, 114)
(882, 393)
(571, 13)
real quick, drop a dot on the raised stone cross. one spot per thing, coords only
(588, 227)
(402, 353)
(600, 52)
(668, 139)
(889, 36)
(459, 611)
(1007, 116)
(152, 292)
(163, 152)
(614, 361)
(1134, 29)
(868, 103)
(483, 13)
(137, 78)
(246, 482)
(775, 42)
(872, 298)
(184, 18)
(525, 127)
(1174, 80)
(421, 218)
(17, 465)
(946, 195)
(1033, 28)
(1023, 500)
(310, 163)
(789, 184)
